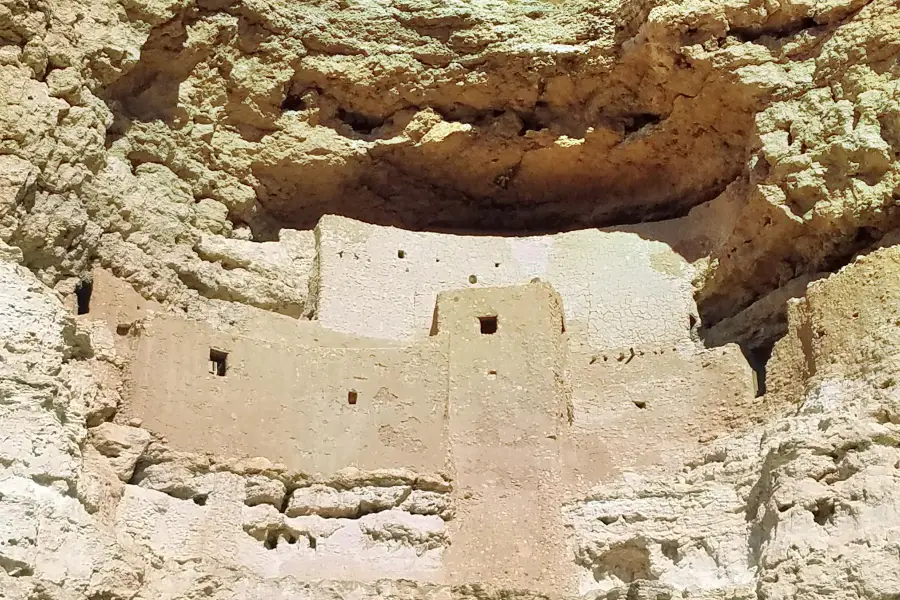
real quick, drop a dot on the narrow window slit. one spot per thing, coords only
(488, 325)
(218, 362)
(352, 396)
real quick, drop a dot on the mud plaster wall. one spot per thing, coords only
(490, 403)
(286, 392)
(291, 402)
(507, 421)
(650, 407)
(521, 421)
(617, 288)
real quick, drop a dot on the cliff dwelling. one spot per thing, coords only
(457, 300)
(517, 371)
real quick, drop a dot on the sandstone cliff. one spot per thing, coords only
(190, 148)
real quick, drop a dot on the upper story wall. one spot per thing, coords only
(617, 288)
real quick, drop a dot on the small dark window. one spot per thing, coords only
(123, 328)
(488, 325)
(83, 292)
(401, 253)
(218, 362)
(352, 397)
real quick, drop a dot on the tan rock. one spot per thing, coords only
(228, 177)
(123, 446)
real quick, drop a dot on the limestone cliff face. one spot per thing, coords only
(190, 147)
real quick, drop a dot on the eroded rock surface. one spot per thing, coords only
(748, 154)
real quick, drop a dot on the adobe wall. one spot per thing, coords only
(650, 408)
(491, 405)
(618, 289)
(508, 412)
(291, 402)
(516, 413)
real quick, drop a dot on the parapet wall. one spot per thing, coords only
(618, 289)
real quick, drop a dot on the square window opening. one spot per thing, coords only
(218, 362)
(352, 397)
(488, 325)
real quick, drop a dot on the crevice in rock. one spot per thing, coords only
(634, 123)
(271, 541)
(758, 357)
(149, 90)
(293, 103)
(286, 500)
(752, 34)
(718, 306)
(823, 511)
(358, 122)
(83, 291)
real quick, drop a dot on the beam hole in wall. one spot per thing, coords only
(352, 397)
(640, 403)
(123, 328)
(488, 324)
(218, 362)
(492, 374)
(83, 292)
(401, 253)
(473, 279)
(200, 499)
